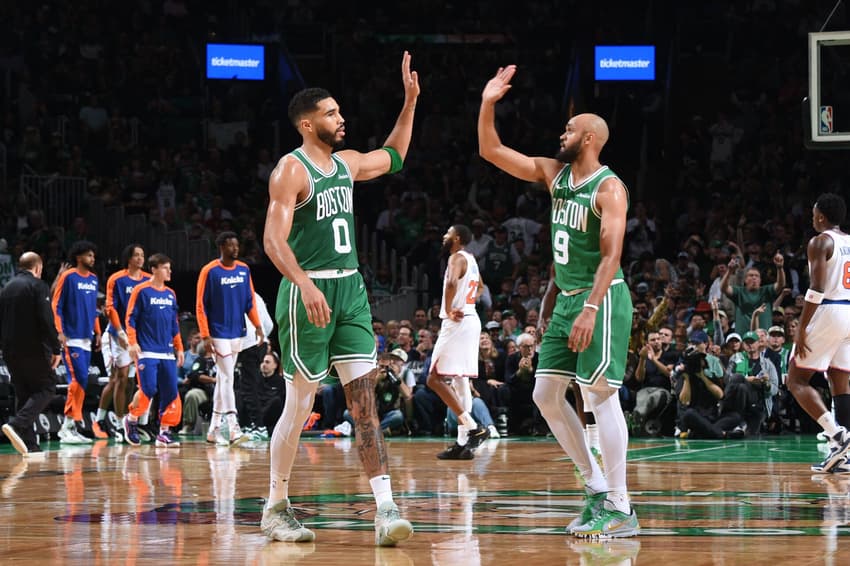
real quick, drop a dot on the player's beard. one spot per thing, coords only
(446, 249)
(330, 139)
(570, 153)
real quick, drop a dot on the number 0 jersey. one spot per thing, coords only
(575, 226)
(322, 235)
(467, 288)
(837, 284)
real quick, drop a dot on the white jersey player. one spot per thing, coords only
(456, 351)
(823, 338)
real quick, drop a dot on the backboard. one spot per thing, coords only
(827, 108)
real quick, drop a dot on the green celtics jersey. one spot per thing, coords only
(322, 235)
(575, 229)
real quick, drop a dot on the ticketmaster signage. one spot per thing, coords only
(241, 62)
(624, 63)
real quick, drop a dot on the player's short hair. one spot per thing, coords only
(158, 259)
(305, 101)
(127, 253)
(222, 238)
(464, 233)
(833, 207)
(79, 248)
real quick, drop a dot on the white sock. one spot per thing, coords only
(618, 499)
(69, 422)
(827, 421)
(613, 437)
(382, 489)
(466, 420)
(462, 435)
(143, 420)
(101, 414)
(278, 490)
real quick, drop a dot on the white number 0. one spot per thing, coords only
(342, 239)
(560, 245)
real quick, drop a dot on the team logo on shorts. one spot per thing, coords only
(75, 355)
(141, 367)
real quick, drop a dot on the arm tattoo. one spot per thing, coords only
(360, 398)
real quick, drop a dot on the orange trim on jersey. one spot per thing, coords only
(109, 307)
(76, 394)
(131, 330)
(200, 312)
(253, 315)
(178, 340)
(57, 295)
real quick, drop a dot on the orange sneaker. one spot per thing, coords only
(99, 429)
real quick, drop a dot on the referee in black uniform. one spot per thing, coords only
(30, 347)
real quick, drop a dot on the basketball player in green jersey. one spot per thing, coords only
(322, 307)
(587, 337)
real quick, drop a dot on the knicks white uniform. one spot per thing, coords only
(828, 332)
(456, 351)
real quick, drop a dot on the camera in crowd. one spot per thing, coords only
(388, 371)
(693, 359)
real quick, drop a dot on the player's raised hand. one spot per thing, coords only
(496, 87)
(409, 78)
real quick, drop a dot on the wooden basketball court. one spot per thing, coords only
(699, 502)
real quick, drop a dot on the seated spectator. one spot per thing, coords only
(493, 328)
(491, 375)
(523, 416)
(653, 394)
(730, 348)
(755, 382)
(197, 390)
(274, 391)
(699, 392)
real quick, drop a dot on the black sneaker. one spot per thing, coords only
(456, 452)
(477, 436)
(736, 433)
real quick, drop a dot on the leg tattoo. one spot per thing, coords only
(360, 398)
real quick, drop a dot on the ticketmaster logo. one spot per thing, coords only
(225, 62)
(624, 63)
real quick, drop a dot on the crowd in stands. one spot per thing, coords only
(720, 208)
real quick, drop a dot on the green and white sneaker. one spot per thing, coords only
(390, 528)
(592, 504)
(609, 523)
(279, 523)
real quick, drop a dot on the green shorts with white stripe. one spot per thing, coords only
(609, 347)
(311, 350)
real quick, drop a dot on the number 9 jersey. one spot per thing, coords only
(576, 224)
